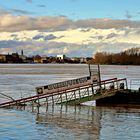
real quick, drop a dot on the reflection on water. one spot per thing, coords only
(83, 121)
(71, 123)
(93, 122)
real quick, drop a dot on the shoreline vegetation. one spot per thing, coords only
(128, 57)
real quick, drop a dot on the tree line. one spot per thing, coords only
(128, 57)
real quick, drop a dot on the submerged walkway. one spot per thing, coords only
(75, 94)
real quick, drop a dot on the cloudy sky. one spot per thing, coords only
(70, 27)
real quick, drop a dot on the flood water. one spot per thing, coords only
(65, 122)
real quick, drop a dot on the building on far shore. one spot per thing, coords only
(61, 56)
(12, 58)
(2, 58)
(21, 58)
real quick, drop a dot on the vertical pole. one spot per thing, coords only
(61, 98)
(99, 77)
(92, 89)
(46, 104)
(89, 70)
(24, 104)
(61, 110)
(52, 100)
(117, 85)
(75, 110)
(52, 104)
(53, 109)
(66, 97)
(32, 106)
(38, 101)
(38, 106)
(47, 101)
(90, 77)
(104, 86)
(114, 85)
(74, 95)
(88, 91)
(79, 94)
(126, 84)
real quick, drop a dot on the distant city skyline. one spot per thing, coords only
(70, 27)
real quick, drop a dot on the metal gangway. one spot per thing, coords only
(73, 92)
(73, 96)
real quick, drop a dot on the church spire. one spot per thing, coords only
(22, 52)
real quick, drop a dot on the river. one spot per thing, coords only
(65, 122)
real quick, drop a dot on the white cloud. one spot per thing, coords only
(54, 35)
(11, 23)
(76, 36)
(71, 42)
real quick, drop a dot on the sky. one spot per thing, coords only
(70, 27)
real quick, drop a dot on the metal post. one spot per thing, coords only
(52, 100)
(74, 95)
(126, 84)
(32, 106)
(99, 78)
(90, 76)
(89, 70)
(46, 104)
(114, 85)
(92, 90)
(38, 101)
(66, 97)
(61, 98)
(88, 91)
(117, 85)
(47, 101)
(24, 104)
(61, 107)
(79, 94)
(53, 109)
(38, 105)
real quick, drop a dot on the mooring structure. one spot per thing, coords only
(74, 91)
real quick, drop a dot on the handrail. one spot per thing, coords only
(27, 99)
(7, 96)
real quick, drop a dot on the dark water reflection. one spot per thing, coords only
(70, 123)
(93, 122)
(82, 122)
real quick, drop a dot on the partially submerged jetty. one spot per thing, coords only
(79, 90)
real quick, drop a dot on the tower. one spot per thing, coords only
(22, 52)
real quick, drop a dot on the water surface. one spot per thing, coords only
(65, 122)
